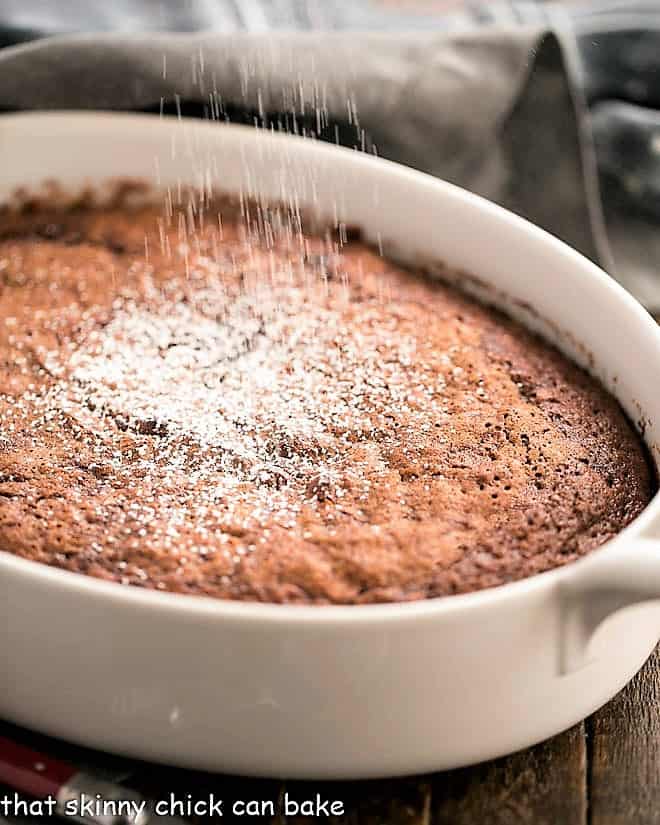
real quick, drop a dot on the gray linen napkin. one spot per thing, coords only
(491, 110)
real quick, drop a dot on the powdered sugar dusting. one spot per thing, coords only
(271, 394)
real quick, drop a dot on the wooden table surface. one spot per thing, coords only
(604, 771)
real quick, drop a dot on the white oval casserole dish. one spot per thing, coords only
(331, 692)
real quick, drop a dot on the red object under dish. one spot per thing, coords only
(30, 772)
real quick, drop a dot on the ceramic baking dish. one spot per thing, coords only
(339, 691)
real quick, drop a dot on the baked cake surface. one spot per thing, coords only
(215, 404)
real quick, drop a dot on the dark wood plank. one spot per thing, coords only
(625, 753)
(390, 802)
(545, 785)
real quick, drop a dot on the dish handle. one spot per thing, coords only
(599, 587)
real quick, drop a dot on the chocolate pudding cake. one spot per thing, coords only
(205, 399)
